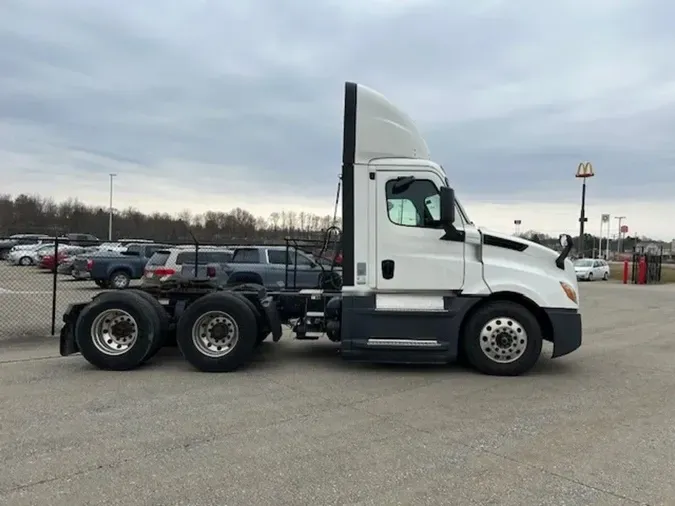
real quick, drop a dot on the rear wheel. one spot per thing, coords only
(263, 327)
(502, 338)
(117, 331)
(119, 280)
(162, 316)
(25, 261)
(217, 333)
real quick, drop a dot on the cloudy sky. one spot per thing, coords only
(213, 104)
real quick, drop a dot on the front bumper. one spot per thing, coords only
(566, 330)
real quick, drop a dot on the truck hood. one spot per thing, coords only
(533, 249)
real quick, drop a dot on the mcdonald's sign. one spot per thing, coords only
(585, 169)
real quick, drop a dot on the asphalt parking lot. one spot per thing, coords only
(302, 427)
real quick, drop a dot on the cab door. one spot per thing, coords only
(410, 253)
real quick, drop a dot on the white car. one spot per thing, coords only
(29, 256)
(589, 269)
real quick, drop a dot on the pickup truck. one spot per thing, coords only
(113, 269)
(267, 266)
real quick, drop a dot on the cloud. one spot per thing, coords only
(206, 104)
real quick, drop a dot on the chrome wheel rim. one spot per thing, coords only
(119, 281)
(215, 334)
(114, 332)
(503, 340)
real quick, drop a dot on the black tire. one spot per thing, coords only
(25, 261)
(119, 280)
(236, 312)
(590, 276)
(263, 327)
(147, 324)
(162, 316)
(518, 324)
(605, 276)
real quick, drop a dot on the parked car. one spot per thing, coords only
(590, 269)
(80, 239)
(48, 261)
(267, 266)
(111, 269)
(30, 255)
(66, 265)
(112, 246)
(20, 241)
(179, 262)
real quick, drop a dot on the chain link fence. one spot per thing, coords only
(26, 290)
(41, 275)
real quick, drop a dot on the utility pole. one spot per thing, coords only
(516, 224)
(619, 238)
(110, 210)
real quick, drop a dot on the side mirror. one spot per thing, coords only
(447, 205)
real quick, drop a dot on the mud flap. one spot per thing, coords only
(67, 344)
(272, 314)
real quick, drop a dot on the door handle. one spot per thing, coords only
(387, 269)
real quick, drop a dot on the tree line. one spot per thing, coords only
(27, 214)
(36, 214)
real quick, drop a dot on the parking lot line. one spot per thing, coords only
(4, 291)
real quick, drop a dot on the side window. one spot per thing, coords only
(414, 203)
(150, 250)
(246, 256)
(220, 257)
(276, 257)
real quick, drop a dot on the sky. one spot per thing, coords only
(215, 104)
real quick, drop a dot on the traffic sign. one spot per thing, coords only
(624, 229)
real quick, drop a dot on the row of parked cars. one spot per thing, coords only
(115, 265)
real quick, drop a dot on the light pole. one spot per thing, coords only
(604, 219)
(584, 171)
(619, 235)
(110, 210)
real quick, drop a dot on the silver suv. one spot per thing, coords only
(168, 263)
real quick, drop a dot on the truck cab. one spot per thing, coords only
(423, 283)
(420, 282)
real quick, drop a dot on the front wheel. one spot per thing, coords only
(590, 276)
(502, 338)
(25, 261)
(605, 276)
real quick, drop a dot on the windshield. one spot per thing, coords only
(583, 263)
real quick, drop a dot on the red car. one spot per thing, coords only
(47, 261)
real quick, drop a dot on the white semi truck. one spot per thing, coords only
(420, 283)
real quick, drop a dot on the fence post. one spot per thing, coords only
(642, 270)
(54, 278)
(625, 272)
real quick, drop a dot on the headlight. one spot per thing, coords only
(569, 291)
